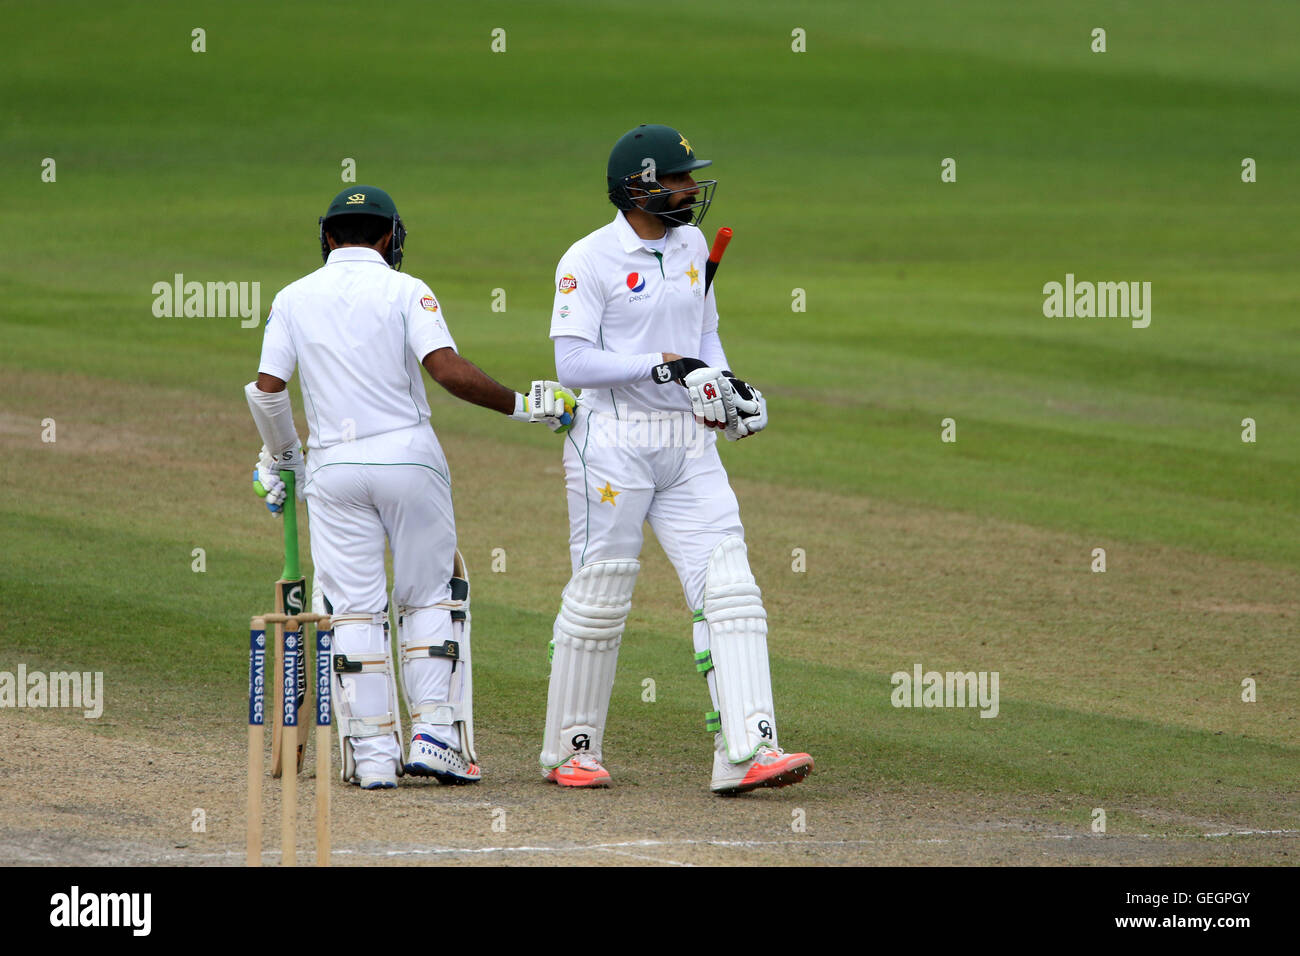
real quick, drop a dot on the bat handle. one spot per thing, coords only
(291, 572)
(715, 256)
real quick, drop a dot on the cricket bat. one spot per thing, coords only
(715, 256)
(289, 599)
(678, 369)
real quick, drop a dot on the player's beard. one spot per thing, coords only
(683, 215)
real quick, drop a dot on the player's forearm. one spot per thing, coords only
(579, 364)
(468, 382)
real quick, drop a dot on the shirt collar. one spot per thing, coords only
(355, 254)
(631, 242)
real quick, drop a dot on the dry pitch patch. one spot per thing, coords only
(69, 797)
(1165, 636)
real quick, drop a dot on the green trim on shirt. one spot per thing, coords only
(410, 386)
(586, 498)
(600, 331)
(385, 464)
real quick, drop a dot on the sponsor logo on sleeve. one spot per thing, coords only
(429, 303)
(568, 282)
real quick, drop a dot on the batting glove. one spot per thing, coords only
(267, 482)
(712, 398)
(292, 460)
(676, 370)
(548, 402)
(750, 406)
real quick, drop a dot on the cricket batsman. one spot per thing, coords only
(359, 331)
(635, 328)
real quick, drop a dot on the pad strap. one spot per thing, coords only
(376, 726)
(361, 663)
(447, 649)
(378, 617)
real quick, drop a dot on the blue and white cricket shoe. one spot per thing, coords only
(376, 775)
(430, 757)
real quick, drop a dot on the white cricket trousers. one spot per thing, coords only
(352, 510)
(648, 466)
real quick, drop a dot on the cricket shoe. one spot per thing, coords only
(580, 770)
(770, 767)
(376, 775)
(430, 757)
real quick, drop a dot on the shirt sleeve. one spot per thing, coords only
(710, 301)
(279, 357)
(579, 364)
(579, 304)
(711, 353)
(426, 330)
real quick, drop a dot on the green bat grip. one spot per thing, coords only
(290, 516)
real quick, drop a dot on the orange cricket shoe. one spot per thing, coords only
(771, 767)
(580, 770)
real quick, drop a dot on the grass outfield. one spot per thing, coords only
(1119, 690)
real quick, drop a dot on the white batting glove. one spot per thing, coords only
(292, 460)
(712, 398)
(267, 482)
(751, 410)
(548, 402)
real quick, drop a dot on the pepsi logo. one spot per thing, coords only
(635, 281)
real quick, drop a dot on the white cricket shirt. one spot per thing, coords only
(357, 330)
(617, 293)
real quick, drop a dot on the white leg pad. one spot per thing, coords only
(588, 631)
(365, 692)
(733, 609)
(456, 707)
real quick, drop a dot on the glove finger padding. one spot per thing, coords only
(710, 394)
(751, 413)
(552, 403)
(268, 485)
(746, 396)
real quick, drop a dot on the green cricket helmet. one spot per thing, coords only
(637, 161)
(366, 201)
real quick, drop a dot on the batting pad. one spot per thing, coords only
(365, 695)
(588, 630)
(425, 637)
(733, 609)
